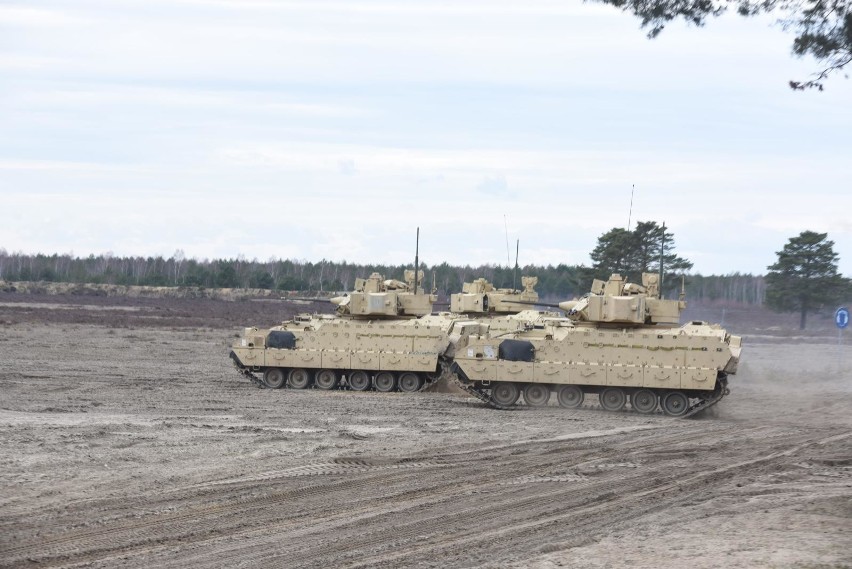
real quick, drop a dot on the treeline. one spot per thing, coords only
(735, 288)
(554, 281)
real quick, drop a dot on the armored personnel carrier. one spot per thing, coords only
(621, 342)
(382, 338)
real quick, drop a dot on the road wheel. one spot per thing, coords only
(385, 381)
(410, 382)
(273, 378)
(505, 393)
(359, 381)
(644, 401)
(537, 394)
(325, 379)
(570, 396)
(675, 404)
(613, 399)
(299, 378)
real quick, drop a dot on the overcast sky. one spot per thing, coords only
(332, 129)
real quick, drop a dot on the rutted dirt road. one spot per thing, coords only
(139, 447)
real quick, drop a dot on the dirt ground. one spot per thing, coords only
(128, 440)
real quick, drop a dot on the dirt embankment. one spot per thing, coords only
(129, 291)
(121, 311)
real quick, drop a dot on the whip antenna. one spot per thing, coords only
(515, 273)
(416, 259)
(630, 215)
(506, 227)
(662, 253)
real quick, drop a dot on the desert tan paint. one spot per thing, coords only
(621, 335)
(339, 344)
(688, 357)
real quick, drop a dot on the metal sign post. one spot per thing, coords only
(841, 318)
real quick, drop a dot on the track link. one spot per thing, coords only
(244, 371)
(468, 386)
(429, 379)
(480, 394)
(452, 372)
(704, 404)
(433, 378)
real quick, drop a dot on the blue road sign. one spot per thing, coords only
(841, 317)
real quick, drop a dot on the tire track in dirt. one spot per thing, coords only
(526, 515)
(234, 495)
(382, 512)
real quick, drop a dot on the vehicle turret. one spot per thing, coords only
(618, 302)
(481, 297)
(376, 297)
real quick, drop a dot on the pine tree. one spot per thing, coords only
(631, 253)
(805, 277)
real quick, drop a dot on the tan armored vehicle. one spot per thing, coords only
(382, 338)
(621, 342)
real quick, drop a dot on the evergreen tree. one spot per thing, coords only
(613, 252)
(804, 278)
(631, 253)
(823, 28)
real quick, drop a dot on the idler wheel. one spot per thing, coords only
(675, 404)
(570, 396)
(613, 399)
(385, 381)
(299, 378)
(325, 379)
(505, 393)
(537, 394)
(644, 401)
(359, 381)
(409, 382)
(273, 378)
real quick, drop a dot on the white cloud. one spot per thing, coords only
(66, 166)
(826, 221)
(536, 7)
(194, 98)
(494, 186)
(19, 15)
(18, 62)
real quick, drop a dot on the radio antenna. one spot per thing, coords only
(506, 227)
(662, 254)
(515, 273)
(630, 215)
(416, 259)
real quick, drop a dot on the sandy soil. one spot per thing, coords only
(138, 445)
